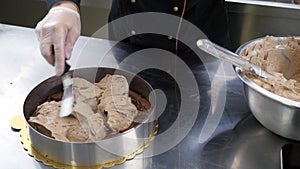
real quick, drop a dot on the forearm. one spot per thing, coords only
(67, 3)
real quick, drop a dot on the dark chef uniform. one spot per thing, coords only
(208, 15)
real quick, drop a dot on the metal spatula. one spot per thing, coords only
(67, 99)
(222, 53)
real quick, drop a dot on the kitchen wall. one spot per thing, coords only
(22, 12)
(94, 13)
(248, 18)
(253, 19)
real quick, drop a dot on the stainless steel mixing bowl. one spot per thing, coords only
(276, 113)
(91, 153)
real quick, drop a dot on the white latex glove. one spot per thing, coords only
(60, 29)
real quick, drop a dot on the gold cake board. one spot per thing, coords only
(18, 124)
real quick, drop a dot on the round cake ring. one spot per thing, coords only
(18, 124)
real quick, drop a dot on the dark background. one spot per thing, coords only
(248, 19)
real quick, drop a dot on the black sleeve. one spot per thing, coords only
(51, 2)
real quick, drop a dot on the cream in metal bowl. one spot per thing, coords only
(109, 150)
(274, 111)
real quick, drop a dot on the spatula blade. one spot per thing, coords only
(67, 99)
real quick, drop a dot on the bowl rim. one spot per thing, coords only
(254, 86)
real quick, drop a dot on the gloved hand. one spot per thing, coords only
(60, 29)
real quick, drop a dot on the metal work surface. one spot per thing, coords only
(239, 141)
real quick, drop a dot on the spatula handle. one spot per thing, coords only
(222, 53)
(67, 66)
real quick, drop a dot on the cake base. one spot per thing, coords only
(18, 124)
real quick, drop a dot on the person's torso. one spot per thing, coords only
(207, 15)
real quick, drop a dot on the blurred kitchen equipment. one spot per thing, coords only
(222, 53)
(278, 114)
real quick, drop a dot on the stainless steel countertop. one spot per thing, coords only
(238, 142)
(19, 61)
